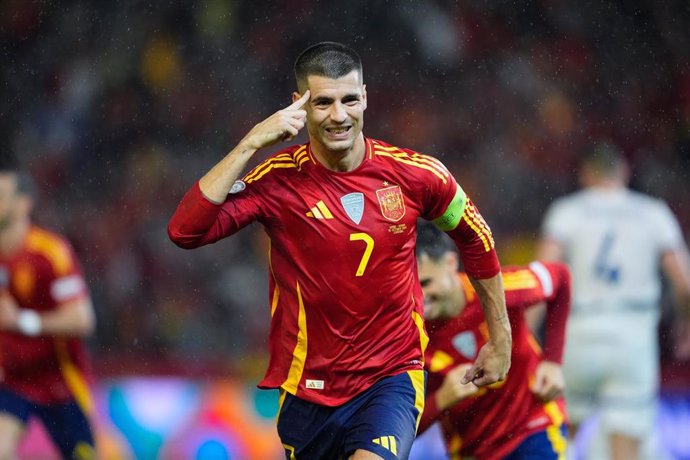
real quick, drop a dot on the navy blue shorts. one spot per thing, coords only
(549, 444)
(382, 420)
(66, 423)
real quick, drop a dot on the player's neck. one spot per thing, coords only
(340, 161)
(12, 237)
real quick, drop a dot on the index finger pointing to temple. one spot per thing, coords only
(299, 103)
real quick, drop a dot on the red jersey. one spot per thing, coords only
(346, 305)
(495, 420)
(43, 274)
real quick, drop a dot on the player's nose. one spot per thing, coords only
(338, 113)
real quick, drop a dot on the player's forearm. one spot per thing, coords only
(492, 297)
(71, 319)
(558, 309)
(217, 182)
(193, 223)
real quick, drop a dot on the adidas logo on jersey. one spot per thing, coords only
(320, 211)
(314, 384)
(387, 442)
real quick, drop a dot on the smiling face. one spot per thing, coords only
(335, 112)
(443, 293)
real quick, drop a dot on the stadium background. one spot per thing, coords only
(117, 107)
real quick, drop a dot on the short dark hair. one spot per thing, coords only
(326, 59)
(432, 241)
(605, 159)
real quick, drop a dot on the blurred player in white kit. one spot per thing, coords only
(615, 241)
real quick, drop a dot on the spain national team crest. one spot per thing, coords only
(353, 204)
(392, 202)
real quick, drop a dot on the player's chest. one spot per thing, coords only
(24, 279)
(319, 210)
(452, 346)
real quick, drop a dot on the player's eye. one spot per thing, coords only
(322, 102)
(350, 100)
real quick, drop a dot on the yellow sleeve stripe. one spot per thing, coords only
(300, 154)
(53, 249)
(271, 167)
(397, 153)
(262, 168)
(302, 160)
(406, 159)
(299, 354)
(265, 163)
(523, 279)
(518, 284)
(477, 224)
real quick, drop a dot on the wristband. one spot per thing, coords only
(29, 322)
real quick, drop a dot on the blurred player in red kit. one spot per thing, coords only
(347, 333)
(522, 417)
(45, 309)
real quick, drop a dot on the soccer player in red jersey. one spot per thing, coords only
(522, 417)
(347, 333)
(44, 311)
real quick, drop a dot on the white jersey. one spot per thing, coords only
(613, 243)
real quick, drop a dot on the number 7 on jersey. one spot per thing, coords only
(367, 251)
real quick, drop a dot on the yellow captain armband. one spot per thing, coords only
(450, 219)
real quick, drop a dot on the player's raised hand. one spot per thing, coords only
(549, 382)
(281, 126)
(491, 366)
(453, 390)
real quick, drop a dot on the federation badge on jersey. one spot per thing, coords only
(466, 344)
(353, 204)
(392, 202)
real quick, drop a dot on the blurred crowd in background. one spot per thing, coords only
(116, 108)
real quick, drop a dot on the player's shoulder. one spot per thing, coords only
(645, 201)
(571, 203)
(52, 247)
(284, 161)
(408, 160)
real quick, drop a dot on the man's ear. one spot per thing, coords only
(295, 96)
(364, 97)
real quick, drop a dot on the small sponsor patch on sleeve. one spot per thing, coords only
(237, 187)
(67, 287)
